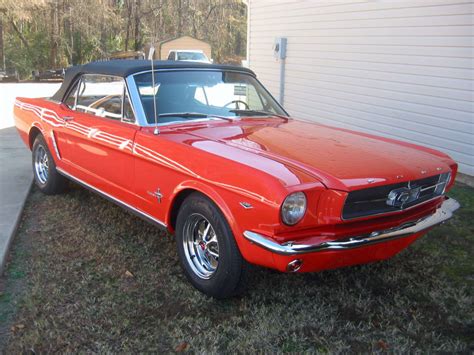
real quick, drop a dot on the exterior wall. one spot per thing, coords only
(185, 42)
(402, 69)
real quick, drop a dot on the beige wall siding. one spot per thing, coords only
(185, 42)
(402, 69)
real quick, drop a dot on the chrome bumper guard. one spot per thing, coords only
(442, 214)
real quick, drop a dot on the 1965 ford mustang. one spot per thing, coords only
(206, 152)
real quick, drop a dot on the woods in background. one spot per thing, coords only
(48, 34)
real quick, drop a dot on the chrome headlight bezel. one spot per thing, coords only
(293, 208)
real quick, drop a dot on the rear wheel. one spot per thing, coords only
(207, 249)
(47, 178)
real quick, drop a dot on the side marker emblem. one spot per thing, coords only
(156, 194)
(246, 205)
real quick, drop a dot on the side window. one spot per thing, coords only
(128, 115)
(101, 95)
(171, 56)
(71, 98)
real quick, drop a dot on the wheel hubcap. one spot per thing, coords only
(41, 165)
(201, 246)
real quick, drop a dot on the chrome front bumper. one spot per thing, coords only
(442, 214)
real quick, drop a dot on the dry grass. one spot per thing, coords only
(86, 276)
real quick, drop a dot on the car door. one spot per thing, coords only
(98, 134)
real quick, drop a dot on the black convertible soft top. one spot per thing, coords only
(124, 68)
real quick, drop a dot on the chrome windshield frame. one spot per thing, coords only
(140, 112)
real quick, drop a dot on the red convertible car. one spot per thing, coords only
(206, 152)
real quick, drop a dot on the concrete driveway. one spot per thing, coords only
(15, 161)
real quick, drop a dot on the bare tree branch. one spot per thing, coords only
(20, 35)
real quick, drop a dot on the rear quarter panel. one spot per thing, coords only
(41, 114)
(26, 116)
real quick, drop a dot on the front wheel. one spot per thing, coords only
(207, 249)
(47, 178)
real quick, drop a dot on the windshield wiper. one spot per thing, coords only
(192, 115)
(257, 113)
(184, 114)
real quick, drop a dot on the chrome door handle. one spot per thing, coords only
(68, 118)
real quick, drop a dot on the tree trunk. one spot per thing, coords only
(238, 43)
(53, 53)
(180, 18)
(103, 40)
(159, 30)
(137, 24)
(2, 54)
(20, 35)
(129, 23)
(71, 36)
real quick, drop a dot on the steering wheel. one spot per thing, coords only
(237, 106)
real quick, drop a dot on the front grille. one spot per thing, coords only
(395, 197)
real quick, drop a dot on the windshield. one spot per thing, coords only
(191, 56)
(204, 94)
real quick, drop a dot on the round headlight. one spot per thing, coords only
(293, 208)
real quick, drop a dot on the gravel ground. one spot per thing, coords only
(86, 276)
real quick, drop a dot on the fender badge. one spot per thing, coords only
(156, 194)
(370, 181)
(246, 205)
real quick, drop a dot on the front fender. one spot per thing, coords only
(208, 191)
(238, 217)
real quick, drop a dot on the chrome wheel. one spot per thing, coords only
(201, 246)
(41, 165)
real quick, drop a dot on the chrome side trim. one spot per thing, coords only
(442, 214)
(113, 199)
(53, 138)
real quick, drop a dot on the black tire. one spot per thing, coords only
(52, 182)
(230, 275)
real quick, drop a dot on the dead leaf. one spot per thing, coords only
(382, 345)
(182, 347)
(17, 327)
(128, 274)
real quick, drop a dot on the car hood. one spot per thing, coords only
(339, 158)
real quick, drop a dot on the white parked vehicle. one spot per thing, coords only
(189, 55)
